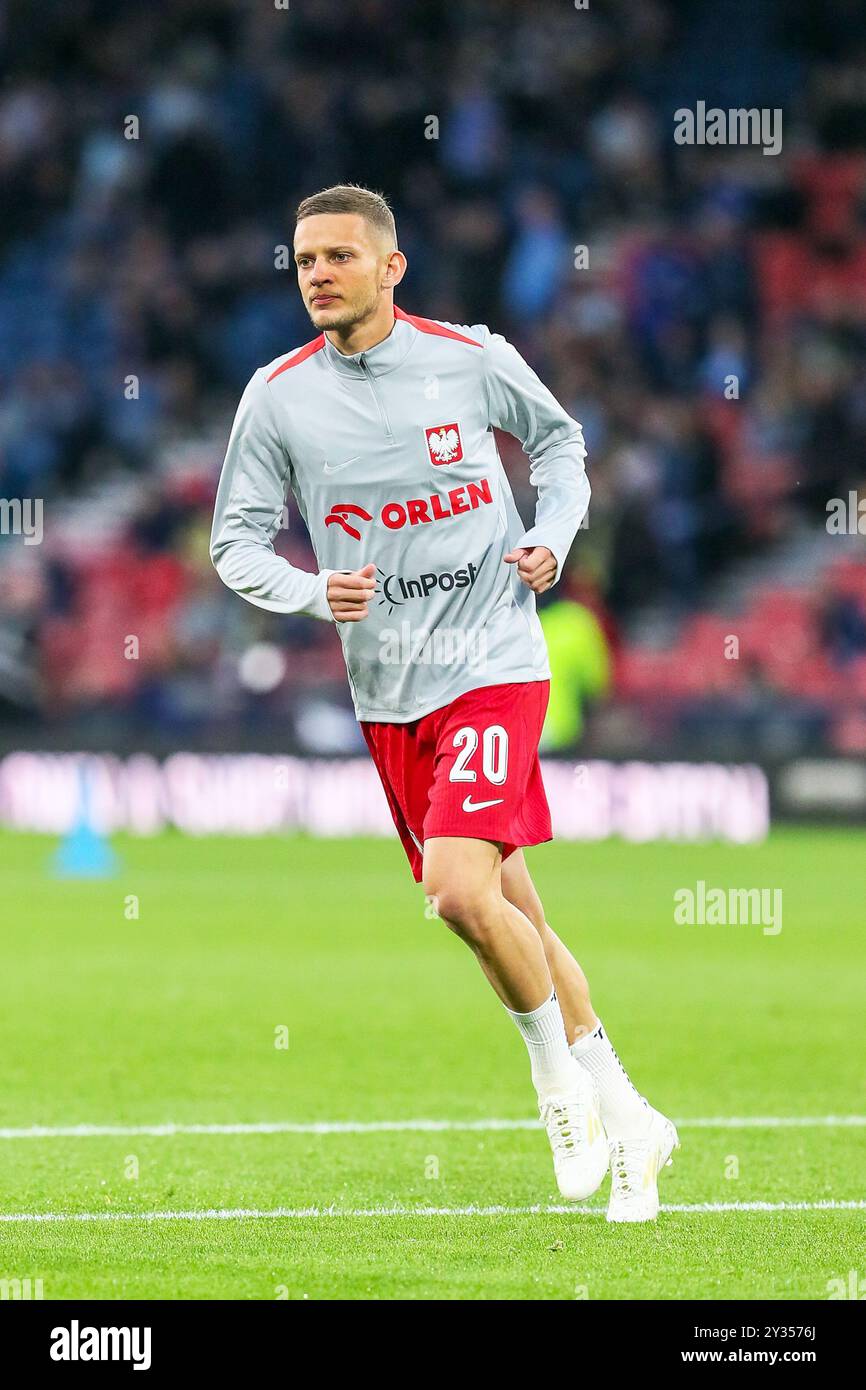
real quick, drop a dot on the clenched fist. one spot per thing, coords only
(536, 566)
(349, 594)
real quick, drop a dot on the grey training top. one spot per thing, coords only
(391, 456)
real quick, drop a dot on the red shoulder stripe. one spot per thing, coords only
(428, 326)
(300, 356)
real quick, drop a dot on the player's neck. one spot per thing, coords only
(366, 334)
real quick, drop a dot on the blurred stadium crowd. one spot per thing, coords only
(710, 339)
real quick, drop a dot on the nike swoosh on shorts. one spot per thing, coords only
(469, 805)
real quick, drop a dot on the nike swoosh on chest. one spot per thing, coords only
(338, 467)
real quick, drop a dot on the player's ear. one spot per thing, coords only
(394, 271)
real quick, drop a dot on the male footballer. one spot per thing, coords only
(382, 426)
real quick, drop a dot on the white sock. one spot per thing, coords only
(625, 1114)
(553, 1069)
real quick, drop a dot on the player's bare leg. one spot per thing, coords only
(572, 989)
(641, 1139)
(463, 880)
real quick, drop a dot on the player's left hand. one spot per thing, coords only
(536, 566)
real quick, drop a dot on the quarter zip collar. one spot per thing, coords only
(377, 360)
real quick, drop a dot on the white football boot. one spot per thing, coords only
(634, 1171)
(577, 1138)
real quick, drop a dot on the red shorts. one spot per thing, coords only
(470, 768)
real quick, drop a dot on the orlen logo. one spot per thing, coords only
(443, 443)
(415, 511)
(396, 590)
(339, 514)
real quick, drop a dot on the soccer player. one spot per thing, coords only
(382, 426)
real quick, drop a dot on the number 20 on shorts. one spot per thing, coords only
(494, 754)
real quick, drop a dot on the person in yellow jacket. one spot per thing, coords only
(580, 667)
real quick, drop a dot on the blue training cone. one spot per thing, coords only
(84, 852)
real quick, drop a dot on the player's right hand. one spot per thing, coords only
(349, 593)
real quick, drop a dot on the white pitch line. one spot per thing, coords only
(775, 1122)
(314, 1213)
(166, 1131)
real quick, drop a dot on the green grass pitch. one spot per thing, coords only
(174, 1016)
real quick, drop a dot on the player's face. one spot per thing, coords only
(342, 265)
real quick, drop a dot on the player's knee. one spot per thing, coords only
(464, 909)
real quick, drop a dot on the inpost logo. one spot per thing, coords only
(77, 1343)
(395, 590)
